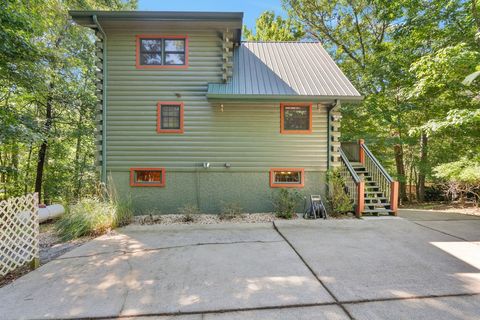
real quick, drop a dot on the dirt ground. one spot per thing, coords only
(466, 208)
(51, 247)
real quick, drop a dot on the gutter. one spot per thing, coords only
(103, 175)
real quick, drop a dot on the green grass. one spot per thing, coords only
(93, 217)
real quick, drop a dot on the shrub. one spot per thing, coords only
(189, 211)
(338, 200)
(284, 203)
(92, 217)
(462, 178)
(435, 192)
(230, 211)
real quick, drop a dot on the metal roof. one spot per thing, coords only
(84, 15)
(284, 69)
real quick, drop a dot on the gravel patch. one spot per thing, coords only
(169, 219)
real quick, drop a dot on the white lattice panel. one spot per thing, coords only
(19, 232)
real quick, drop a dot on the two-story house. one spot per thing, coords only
(190, 114)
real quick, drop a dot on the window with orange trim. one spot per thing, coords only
(153, 51)
(286, 178)
(170, 117)
(296, 118)
(147, 177)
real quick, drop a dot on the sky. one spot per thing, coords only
(251, 8)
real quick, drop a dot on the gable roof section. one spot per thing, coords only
(288, 70)
(219, 20)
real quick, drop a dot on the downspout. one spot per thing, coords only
(104, 101)
(328, 136)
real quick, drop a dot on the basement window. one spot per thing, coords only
(170, 117)
(286, 178)
(147, 177)
(296, 118)
(162, 51)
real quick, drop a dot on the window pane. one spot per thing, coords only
(151, 59)
(296, 118)
(293, 177)
(175, 58)
(170, 117)
(148, 176)
(151, 45)
(174, 45)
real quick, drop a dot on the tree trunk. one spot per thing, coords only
(27, 168)
(398, 150)
(422, 167)
(77, 156)
(42, 152)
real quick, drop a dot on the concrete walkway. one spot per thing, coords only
(423, 266)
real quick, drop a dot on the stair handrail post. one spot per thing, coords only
(352, 181)
(394, 196)
(361, 199)
(361, 152)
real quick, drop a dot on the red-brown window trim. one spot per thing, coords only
(282, 120)
(133, 183)
(159, 114)
(285, 185)
(153, 36)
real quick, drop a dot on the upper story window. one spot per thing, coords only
(170, 117)
(162, 51)
(296, 118)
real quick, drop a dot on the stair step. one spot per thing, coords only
(377, 212)
(370, 201)
(377, 205)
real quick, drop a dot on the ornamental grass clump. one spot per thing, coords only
(189, 212)
(94, 216)
(230, 211)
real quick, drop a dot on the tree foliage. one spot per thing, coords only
(47, 98)
(269, 27)
(408, 58)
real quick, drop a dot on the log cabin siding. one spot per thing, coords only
(245, 135)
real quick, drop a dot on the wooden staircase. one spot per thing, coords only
(369, 186)
(375, 201)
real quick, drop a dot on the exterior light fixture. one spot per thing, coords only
(221, 108)
(206, 165)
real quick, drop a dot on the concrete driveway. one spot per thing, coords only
(422, 266)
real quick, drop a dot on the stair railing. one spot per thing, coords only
(387, 185)
(355, 186)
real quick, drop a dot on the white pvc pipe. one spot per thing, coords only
(50, 212)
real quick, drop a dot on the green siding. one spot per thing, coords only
(210, 191)
(245, 135)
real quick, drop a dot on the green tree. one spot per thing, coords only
(269, 27)
(47, 98)
(381, 46)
